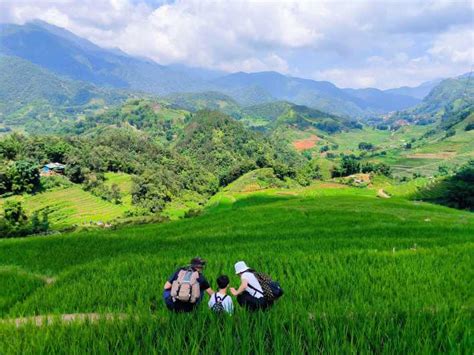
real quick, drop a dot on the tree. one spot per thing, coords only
(24, 176)
(14, 213)
(349, 165)
(460, 188)
(308, 173)
(115, 194)
(5, 181)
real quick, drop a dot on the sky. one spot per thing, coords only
(357, 43)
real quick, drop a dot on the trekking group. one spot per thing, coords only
(185, 289)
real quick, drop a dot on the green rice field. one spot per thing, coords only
(361, 274)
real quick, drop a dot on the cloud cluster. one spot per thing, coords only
(353, 43)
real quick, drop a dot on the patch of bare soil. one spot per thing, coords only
(304, 144)
(382, 194)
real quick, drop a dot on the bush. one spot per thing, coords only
(15, 222)
(366, 146)
(450, 132)
(469, 127)
(460, 188)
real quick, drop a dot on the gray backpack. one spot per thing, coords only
(186, 287)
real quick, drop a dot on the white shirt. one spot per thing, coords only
(252, 280)
(226, 303)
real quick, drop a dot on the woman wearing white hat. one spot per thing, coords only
(250, 292)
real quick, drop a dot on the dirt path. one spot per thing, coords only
(64, 318)
(381, 193)
(46, 279)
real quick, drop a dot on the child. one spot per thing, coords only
(220, 301)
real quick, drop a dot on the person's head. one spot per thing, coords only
(223, 282)
(240, 267)
(198, 263)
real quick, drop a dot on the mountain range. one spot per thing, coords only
(64, 54)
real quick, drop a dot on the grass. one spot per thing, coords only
(343, 256)
(71, 205)
(124, 182)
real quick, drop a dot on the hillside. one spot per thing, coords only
(321, 95)
(287, 114)
(205, 100)
(35, 98)
(378, 266)
(418, 92)
(66, 54)
(447, 103)
(226, 148)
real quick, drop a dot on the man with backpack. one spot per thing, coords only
(256, 290)
(185, 289)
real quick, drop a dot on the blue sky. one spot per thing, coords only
(358, 43)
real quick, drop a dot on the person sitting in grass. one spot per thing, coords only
(220, 301)
(250, 293)
(185, 289)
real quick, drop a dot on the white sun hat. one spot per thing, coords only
(240, 266)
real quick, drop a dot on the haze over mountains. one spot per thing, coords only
(55, 51)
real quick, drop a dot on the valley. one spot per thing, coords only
(115, 170)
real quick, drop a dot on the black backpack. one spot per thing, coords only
(271, 289)
(218, 307)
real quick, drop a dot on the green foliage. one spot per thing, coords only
(282, 113)
(15, 223)
(13, 212)
(227, 149)
(469, 127)
(210, 100)
(350, 164)
(455, 191)
(44, 101)
(366, 146)
(449, 133)
(308, 173)
(24, 176)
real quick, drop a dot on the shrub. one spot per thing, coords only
(469, 127)
(450, 132)
(366, 146)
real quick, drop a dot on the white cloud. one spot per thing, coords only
(456, 46)
(354, 43)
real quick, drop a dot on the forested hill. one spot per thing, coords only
(448, 103)
(33, 97)
(209, 151)
(66, 54)
(228, 150)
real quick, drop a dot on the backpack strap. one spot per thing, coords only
(255, 289)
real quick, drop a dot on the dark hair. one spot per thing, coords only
(223, 281)
(198, 262)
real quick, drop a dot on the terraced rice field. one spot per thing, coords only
(361, 274)
(71, 206)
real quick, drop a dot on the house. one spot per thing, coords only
(52, 169)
